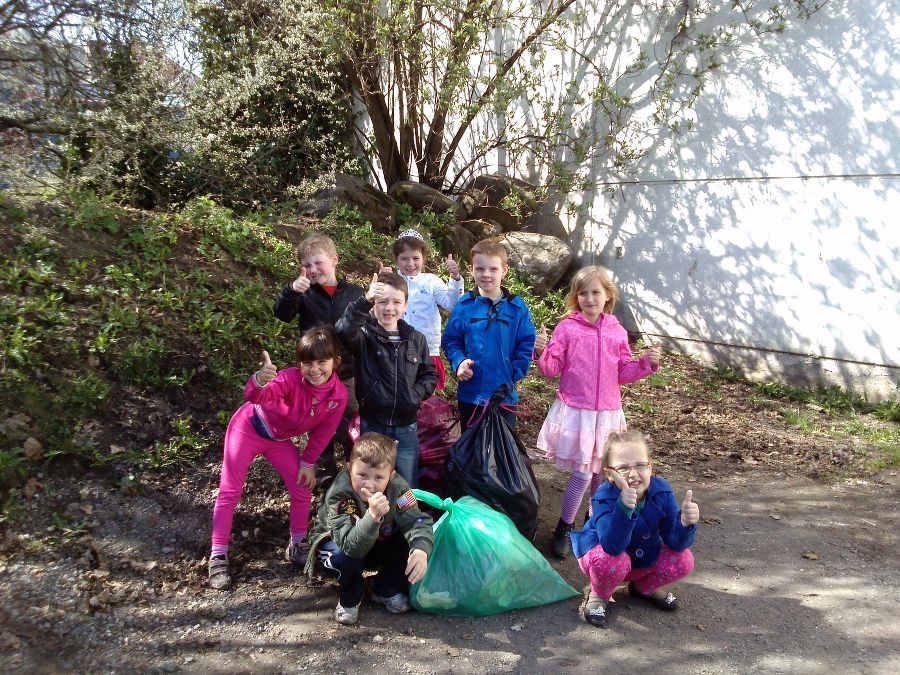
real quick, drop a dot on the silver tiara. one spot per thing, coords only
(413, 234)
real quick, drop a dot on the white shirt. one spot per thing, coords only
(426, 292)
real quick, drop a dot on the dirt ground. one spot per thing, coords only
(796, 572)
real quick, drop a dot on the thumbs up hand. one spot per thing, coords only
(380, 266)
(541, 340)
(376, 289)
(267, 372)
(690, 512)
(629, 494)
(452, 267)
(301, 284)
(653, 353)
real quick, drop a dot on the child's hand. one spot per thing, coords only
(465, 372)
(654, 353)
(307, 476)
(540, 341)
(378, 504)
(301, 284)
(690, 512)
(629, 494)
(376, 289)
(380, 267)
(417, 565)
(268, 371)
(452, 267)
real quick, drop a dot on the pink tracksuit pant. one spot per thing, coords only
(242, 445)
(608, 571)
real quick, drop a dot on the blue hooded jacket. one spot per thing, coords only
(498, 337)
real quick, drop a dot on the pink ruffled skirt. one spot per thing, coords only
(573, 438)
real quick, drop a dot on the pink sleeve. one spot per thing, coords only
(631, 370)
(273, 391)
(553, 358)
(321, 434)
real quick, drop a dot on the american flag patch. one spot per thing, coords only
(406, 501)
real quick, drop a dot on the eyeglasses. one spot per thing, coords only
(625, 469)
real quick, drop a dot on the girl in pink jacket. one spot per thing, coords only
(308, 399)
(589, 351)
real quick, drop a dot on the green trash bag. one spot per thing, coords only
(481, 565)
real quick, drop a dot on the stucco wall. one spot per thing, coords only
(769, 237)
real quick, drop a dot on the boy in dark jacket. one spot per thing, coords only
(394, 372)
(370, 518)
(317, 296)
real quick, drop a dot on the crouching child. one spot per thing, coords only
(371, 520)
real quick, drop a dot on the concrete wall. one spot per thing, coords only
(769, 237)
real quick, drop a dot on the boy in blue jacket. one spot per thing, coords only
(489, 338)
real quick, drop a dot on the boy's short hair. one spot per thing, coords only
(395, 280)
(489, 247)
(318, 342)
(374, 449)
(316, 243)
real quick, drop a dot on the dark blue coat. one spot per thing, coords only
(642, 534)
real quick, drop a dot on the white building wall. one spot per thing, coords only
(769, 237)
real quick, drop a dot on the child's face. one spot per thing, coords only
(317, 372)
(390, 307)
(626, 459)
(488, 271)
(372, 478)
(410, 262)
(320, 268)
(592, 299)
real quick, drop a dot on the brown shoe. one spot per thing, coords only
(658, 598)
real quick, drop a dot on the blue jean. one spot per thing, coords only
(390, 557)
(407, 438)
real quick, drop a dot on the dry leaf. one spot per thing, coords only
(33, 449)
(775, 516)
(699, 626)
(809, 555)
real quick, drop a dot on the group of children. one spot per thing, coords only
(377, 352)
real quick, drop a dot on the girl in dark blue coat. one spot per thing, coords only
(637, 531)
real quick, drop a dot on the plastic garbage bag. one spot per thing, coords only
(489, 462)
(481, 565)
(437, 426)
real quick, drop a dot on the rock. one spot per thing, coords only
(546, 223)
(496, 188)
(340, 188)
(9, 641)
(541, 258)
(421, 197)
(482, 229)
(504, 218)
(378, 639)
(34, 450)
(459, 241)
(471, 199)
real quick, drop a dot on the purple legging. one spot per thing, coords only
(608, 571)
(242, 445)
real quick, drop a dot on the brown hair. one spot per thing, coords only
(581, 279)
(318, 342)
(616, 438)
(316, 243)
(374, 449)
(412, 243)
(395, 280)
(489, 247)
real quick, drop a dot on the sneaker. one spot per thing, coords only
(561, 545)
(596, 611)
(218, 573)
(658, 598)
(297, 553)
(347, 616)
(395, 604)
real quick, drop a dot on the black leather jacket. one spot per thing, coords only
(392, 379)
(315, 307)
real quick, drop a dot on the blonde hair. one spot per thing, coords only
(489, 247)
(316, 243)
(584, 276)
(374, 449)
(617, 438)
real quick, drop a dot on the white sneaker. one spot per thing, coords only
(395, 604)
(346, 615)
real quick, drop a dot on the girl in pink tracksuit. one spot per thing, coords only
(308, 399)
(589, 350)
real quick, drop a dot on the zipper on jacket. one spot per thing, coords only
(396, 381)
(599, 361)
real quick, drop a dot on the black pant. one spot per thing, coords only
(469, 413)
(391, 556)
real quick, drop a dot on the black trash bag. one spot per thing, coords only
(489, 463)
